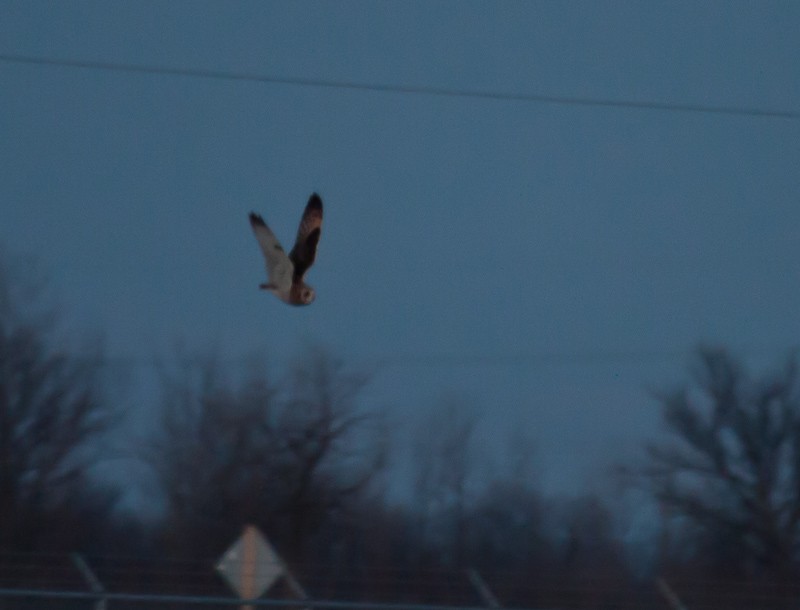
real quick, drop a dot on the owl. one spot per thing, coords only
(285, 274)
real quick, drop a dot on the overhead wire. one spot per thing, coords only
(427, 90)
(521, 358)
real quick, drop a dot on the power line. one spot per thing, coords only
(402, 89)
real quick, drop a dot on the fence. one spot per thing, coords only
(91, 598)
(56, 582)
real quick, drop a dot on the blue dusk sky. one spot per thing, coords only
(544, 263)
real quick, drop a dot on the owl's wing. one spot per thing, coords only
(305, 246)
(279, 267)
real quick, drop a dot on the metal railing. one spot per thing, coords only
(146, 598)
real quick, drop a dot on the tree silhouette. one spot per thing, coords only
(331, 450)
(445, 466)
(732, 465)
(283, 456)
(52, 418)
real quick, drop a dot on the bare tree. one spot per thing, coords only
(446, 465)
(732, 466)
(52, 417)
(209, 450)
(331, 448)
(284, 456)
(507, 527)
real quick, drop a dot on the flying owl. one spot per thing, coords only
(285, 273)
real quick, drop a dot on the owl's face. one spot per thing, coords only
(307, 295)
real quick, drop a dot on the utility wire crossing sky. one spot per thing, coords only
(405, 89)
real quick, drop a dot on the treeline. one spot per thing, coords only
(305, 460)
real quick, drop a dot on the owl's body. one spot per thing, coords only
(285, 273)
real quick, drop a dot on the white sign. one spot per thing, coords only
(250, 566)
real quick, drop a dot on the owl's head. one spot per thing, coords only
(307, 295)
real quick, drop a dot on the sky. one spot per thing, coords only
(546, 263)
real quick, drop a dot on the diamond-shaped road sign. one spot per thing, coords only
(250, 565)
